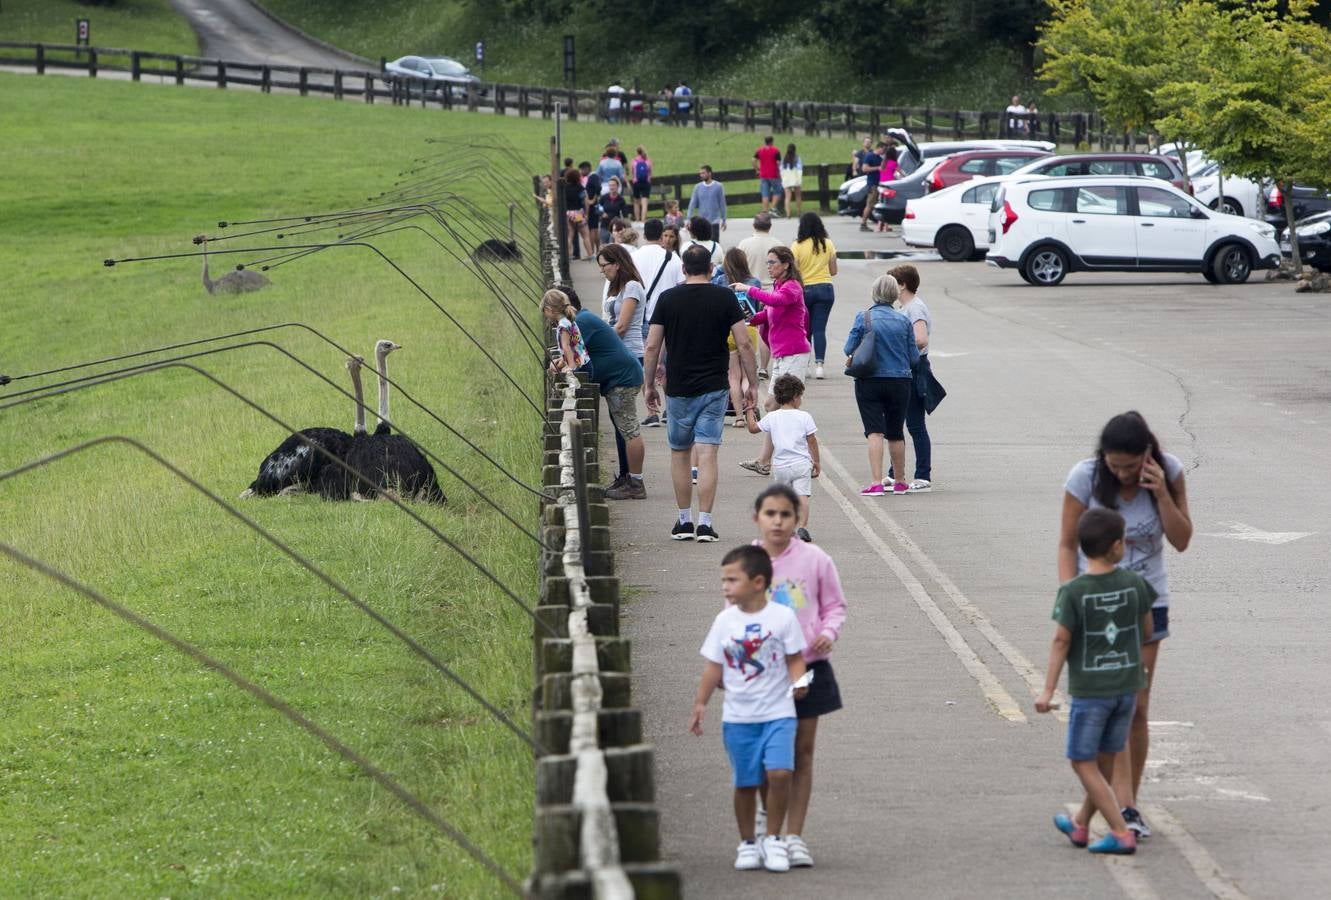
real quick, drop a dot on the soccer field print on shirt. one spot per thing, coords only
(1109, 626)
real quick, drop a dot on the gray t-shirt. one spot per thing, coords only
(1144, 537)
(633, 337)
(916, 311)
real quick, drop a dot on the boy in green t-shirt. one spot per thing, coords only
(1103, 617)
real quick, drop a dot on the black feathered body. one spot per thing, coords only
(295, 463)
(390, 462)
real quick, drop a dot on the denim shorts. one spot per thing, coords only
(1099, 725)
(756, 748)
(1159, 623)
(769, 187)
(696, 420)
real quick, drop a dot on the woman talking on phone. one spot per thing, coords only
(1131, 474)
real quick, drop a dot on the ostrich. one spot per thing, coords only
(393, 461)
(295, 466)
(236, 282)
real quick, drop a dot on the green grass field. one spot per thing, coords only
(126, 24)
(127, 769)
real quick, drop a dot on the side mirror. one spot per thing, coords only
(1196, 213)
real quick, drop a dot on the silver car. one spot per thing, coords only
(440, 71)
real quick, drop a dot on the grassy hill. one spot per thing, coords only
(128, 24)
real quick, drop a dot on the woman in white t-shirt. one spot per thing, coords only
(792, 179)
(1131, 474)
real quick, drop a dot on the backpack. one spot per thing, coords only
(641, 171)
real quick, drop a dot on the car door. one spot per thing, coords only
(1168, 236)
(1100, 230)
(975, 203)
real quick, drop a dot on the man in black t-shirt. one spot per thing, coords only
(692, 321)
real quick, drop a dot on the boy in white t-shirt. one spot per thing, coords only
(756, 649)
(794, 447)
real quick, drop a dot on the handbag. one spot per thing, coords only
(933, 392)
(862, 363)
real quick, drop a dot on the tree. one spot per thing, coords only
(1255, 95)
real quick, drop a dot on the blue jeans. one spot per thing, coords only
(818, 298)
(1099, 725)
(696, 420)
(919, 432)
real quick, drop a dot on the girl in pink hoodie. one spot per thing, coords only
(805, 579)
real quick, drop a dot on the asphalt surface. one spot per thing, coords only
(938, 779)
(238, 31)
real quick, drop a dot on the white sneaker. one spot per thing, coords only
(798, 852)
(775, 857)
(919, 486)
(748, 856)
(818, 372)
(760, 823)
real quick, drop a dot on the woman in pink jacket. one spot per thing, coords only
(805, 579)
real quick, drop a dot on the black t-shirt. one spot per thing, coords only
(574, 197)
(697, 320)
(614, 206)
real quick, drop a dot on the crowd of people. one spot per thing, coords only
(696, 330)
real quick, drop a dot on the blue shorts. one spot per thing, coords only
(696, 420)
(1099, 725)
(769, 187)
(756, 748)
(1159, 623)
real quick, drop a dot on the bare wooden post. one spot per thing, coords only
(472, 97)
(266, 80)
(92, 62)
(304, 82)
(41, 59)
(572, 106)
(824, 187)
(337, 84)
(369, 88)
(221, 75)
(928, 123)
(134, 65)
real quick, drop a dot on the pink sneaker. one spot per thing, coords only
(874, 490)
(898, 489)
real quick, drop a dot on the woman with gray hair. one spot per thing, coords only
(883, 393)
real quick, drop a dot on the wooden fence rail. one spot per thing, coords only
(697, 110)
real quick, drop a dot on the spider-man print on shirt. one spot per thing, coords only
(751, 654)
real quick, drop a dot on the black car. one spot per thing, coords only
(1314, 235)
(892, 195)
(1307, 202)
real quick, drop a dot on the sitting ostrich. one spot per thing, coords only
(238, 281)
(295, 466)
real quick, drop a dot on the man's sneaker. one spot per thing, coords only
(748, 857)
(803, 534)
(1078, 834)
(683, 531)
(754, 465)
(694, 472)
(873, 490)
(818, 371)
(798, 852)
(706, 533)
(1119, 845)
(864, 227)
(898, 489)
(1136, 823)
(630, 489)
(652, 421)
(618, 482)
(760, 822)
(919, 486)
(775, 856)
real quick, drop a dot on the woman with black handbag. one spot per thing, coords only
(927, 393)
(880, 356)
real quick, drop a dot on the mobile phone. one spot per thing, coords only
(745, 304)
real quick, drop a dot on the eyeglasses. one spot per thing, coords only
(775, 262)
(604, 264)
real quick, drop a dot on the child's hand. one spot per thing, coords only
(695, 722)
(1044, 703)
(822, 645)
(800, 693)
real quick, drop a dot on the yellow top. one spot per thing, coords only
(813, 266)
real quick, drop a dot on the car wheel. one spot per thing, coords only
(1021, 270)
(1045, 266)
(1227, 205)
(954, 244)
(1231, 264)
(1209, 276)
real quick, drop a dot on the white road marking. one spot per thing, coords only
(993, 690)
(1033, 677)
(939, 354)
(1203, 864)
(1126, 870)
(1241, 532)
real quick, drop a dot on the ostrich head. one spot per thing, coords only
(381, 350)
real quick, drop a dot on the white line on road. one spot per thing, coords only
(993, 690)
(1203, 864)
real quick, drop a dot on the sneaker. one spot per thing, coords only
(618, 482)
(818, 371)
(1136, 824)
(775, 856)
(748, 857)
(1119, 845)
(758, 466)
(919, 486)
(695, 474)
(683, 531)
(652, 421)
(898, 489)
(1078, 834)
(873, 490)
(631, 489)
(760, 822)
(706, 533)
(803, 535)
(864, 227)
(762, 373)
(798, 852)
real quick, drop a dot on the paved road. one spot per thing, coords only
(938, 779)
(236, 30)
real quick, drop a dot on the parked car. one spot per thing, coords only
(1307, 202)
(893, 195)
(954, 220)
(1314, 235)
(439, 71)
(1242, 197)
(962, 167)
(1152, 165)
(853, 192)
(1047, 228)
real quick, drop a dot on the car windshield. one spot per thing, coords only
(447, 67)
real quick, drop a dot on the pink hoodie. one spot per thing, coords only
(805, 579)
(786, 317)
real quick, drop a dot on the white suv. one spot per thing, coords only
(1047, 228)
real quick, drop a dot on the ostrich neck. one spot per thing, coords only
(207, 282)
(360, 401)
(383, 386)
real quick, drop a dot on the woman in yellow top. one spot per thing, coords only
(816, 258)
